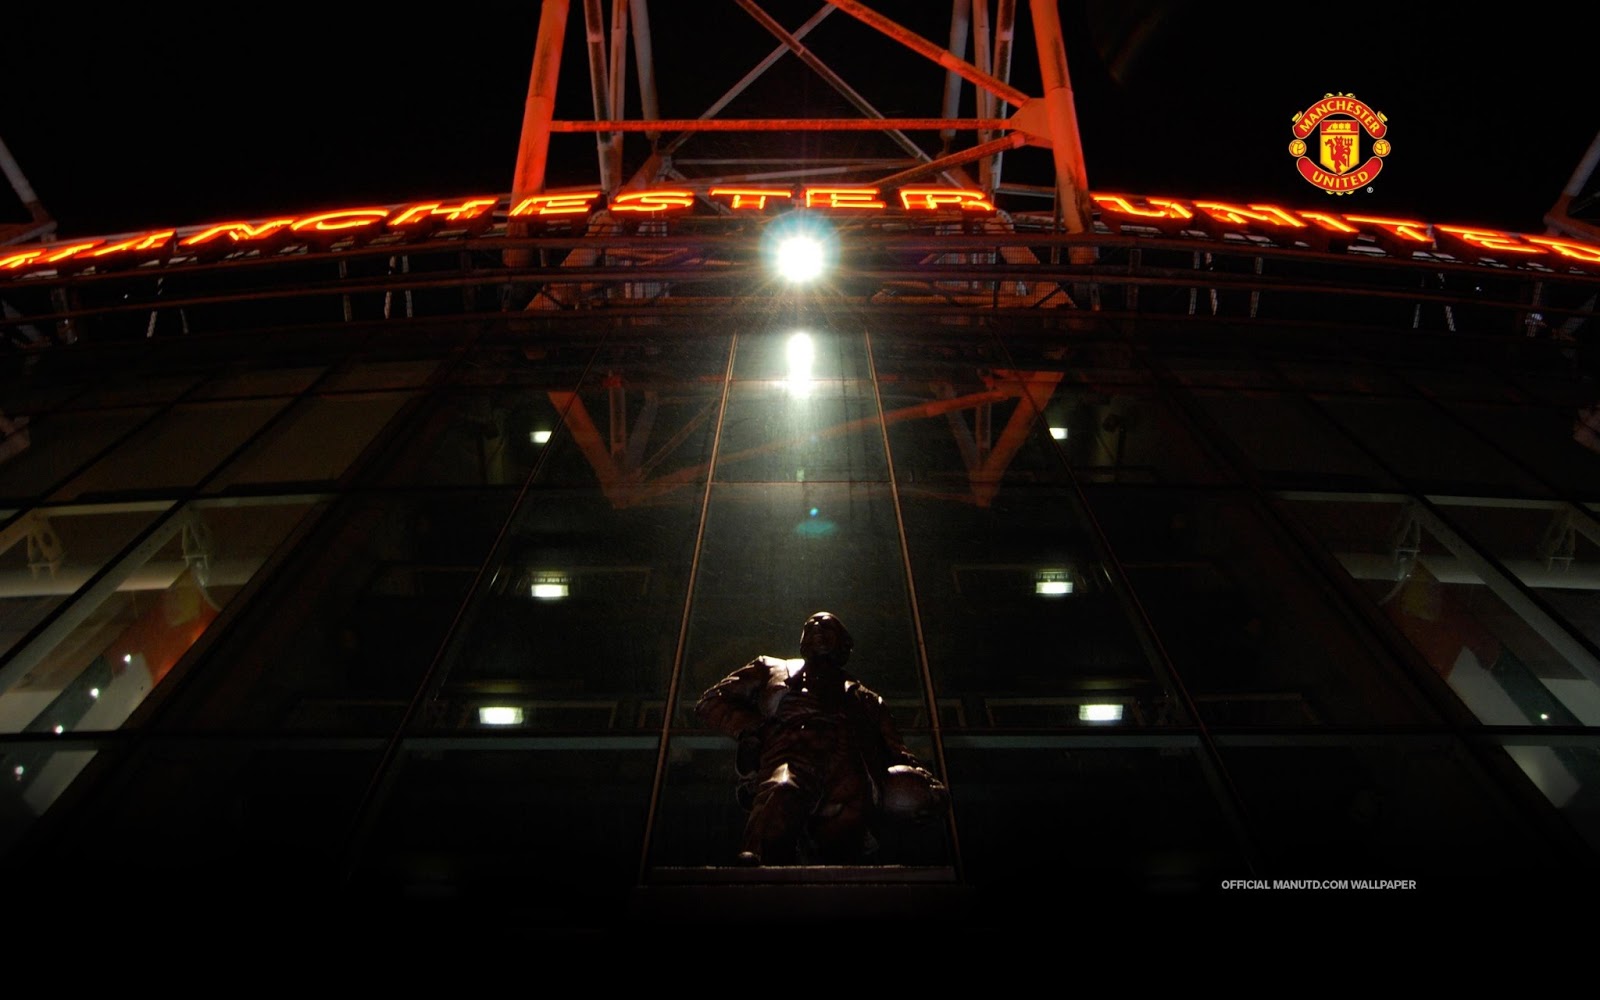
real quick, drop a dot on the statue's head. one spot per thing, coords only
(824, 638)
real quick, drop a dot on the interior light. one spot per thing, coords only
(94, 692)
(800, 353)
(60, 729)
(1545, 716)
(1051, 583)
(539, 437)
(18, 770)
(1100, 713)
(551, 586)
(500, 715)
(127, 657)
(799, 258)
(1059, 433)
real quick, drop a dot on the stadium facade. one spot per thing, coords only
(376, 556)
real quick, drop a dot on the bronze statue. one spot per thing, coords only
(820, 761)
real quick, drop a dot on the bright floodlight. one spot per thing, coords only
(799, 258)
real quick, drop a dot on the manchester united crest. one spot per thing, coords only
(1327, 144)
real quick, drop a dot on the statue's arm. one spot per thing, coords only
(895, 749)
(732, 706)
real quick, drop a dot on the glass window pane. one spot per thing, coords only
(1499, 658)
(314, 442)
(346, 630)
(1289, 446)
(48, 556)
(266, 382)
(117, 642)
(1434, 453)
(49, 448)
(1022, 627)
(815, 431)
(577, 624)
(176, 451)
(1254, 637)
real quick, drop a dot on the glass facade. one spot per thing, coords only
(415, 614)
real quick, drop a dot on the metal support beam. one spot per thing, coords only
(617, 83)
(927, 49)
(837, 82)
(533, 150)
(1072, 177)
(645, 64)
(749, 78)
(960, 14)
(1011, 141)
(781, 125)
(594, 25)
(1004, 31)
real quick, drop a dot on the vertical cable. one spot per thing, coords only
(928, 694)
(683, 622)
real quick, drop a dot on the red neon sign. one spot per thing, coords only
(1170, 217)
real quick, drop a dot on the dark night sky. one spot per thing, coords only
(168, 115)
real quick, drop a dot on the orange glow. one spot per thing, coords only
(17, 261)
(68, 251)
(147, 242)
(1117, 203)
(1566, 248)
(469, 209)
(652, 201)
(931, 199)
(1489, 239)
(1174, 209)
(239, 232)
(861, 198)
(1411, 230)
(750, 198)
(576, 203)
(1164, 208)
(1331, 223)
(349, 218)
(1238, 215)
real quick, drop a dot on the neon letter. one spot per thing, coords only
(239, 232)
(578, 203)
(1489, 239)
(353, 218)
(931, 199)
(861, 198)
(470, 209)
(1417, 232)
(1271, 215)
(652, 201)
(147, 242)
(17, 261)
(750, 198)
(1566, 248)
(1329, 222)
